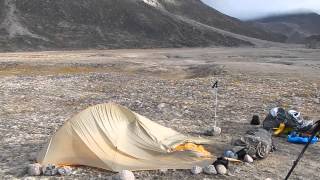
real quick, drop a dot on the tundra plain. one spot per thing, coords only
(41, 90)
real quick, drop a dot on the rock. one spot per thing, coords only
(162, 106)
(268, 179)
(29, 178)
(210, 169)
(317, 100)
(221, 169)
(215, 131)
(49, 170)
(248, 158)
(196, 170)
(163, 171)
(34, 169)
(65, 170)
(124, 175)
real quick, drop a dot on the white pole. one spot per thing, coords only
(216, 105)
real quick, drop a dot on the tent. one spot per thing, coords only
(112, 137)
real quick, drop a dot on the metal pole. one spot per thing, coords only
(215, 109)
(215, 88)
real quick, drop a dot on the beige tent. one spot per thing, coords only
(112, 137)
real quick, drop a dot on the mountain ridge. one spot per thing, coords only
(297, 27)
(83, 24)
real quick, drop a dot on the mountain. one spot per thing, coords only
(297, 27)
(313, 42)
(84, 24)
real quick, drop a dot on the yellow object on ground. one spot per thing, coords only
(112, 137)
(193, 147)
(279, 130)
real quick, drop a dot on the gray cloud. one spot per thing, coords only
(251, 9)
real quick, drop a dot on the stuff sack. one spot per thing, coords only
(291, 119)
(256, 142)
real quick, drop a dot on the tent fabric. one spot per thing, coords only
(112, 137)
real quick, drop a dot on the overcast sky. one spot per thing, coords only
(251, 9)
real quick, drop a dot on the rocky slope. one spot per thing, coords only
(297, 27)
(84, 24)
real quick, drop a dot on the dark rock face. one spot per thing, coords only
(297, 27)
(83, 24)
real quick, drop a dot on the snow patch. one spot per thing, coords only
(153, 3)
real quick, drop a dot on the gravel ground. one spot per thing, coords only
(40, 91)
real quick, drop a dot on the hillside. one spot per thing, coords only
(297, 27)
(84, 24)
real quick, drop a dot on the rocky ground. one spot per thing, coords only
(40, 91)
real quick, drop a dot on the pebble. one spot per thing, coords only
(221, 169)
(196, 170)
(29, 178)
(49, 170)
(34, 169)
(65, 170)
(210, 169)
(124, 175)
(162, 106)
(248, 158)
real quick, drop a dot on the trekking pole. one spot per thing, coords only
(314, 132)
(215, 88)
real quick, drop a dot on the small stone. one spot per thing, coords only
(29, 178)
(221, 169)
(215, 131)
(163, 171)
(65, 170)
(163, 106)
(49, 170)
(196, 170)
(34, 169)
(317, 100)
(248, 159)
(124, 175)
(268, 179)
(210, 169)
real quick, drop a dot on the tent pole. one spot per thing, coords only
(314, 132)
